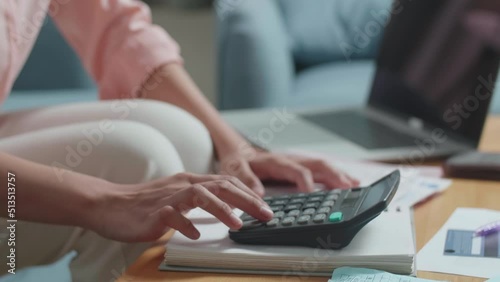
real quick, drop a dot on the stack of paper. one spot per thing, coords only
(386, 243)
(417, 182)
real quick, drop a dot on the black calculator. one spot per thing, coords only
(322, 219)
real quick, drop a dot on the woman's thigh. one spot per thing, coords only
(114, 155)
(103, 149)
(186, 133)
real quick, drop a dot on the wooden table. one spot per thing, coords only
(429, 217)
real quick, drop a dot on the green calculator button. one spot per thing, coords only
(335, 217)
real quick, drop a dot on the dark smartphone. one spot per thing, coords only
(475, 165)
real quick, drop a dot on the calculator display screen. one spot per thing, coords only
(375, 194)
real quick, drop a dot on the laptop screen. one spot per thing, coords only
(438, 62)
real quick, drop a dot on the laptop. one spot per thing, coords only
(429, 97)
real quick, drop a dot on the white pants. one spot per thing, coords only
(124, 141)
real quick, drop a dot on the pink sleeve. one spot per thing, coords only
(116, 41)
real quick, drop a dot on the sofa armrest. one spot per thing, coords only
(255, 64)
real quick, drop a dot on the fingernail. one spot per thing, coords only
(236, 220)
(195, 233)
(266, 211)
(260, 191)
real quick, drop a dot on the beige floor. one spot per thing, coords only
(194, 30)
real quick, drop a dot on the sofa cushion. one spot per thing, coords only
(52, 64)
(334, 84)
(344, 85)
(32, 99)
(332, 30)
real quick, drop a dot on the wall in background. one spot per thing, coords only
(194, 30)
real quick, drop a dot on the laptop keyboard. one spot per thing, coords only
(361, 129)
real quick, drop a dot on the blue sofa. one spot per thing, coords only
(299, 53)
(52, 75)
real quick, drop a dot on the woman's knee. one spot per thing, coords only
(188, 135)
(128, 152)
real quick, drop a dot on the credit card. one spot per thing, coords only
(463, 243)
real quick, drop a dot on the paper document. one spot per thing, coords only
(352, 274)
(455, 250)
(417, 182)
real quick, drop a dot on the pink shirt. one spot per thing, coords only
(115, 40)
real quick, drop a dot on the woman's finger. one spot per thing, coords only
(247, 176)
(329, 176)
(193, 178)
(174, 219)
(199, 196)
(242, 170)
(291, 171)
(245, 185)
(202, 178)
(252, 205)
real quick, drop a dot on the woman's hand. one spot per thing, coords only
(251, 166)
(145, 212)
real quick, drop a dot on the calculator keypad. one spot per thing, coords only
(321, 219)
(300, 209)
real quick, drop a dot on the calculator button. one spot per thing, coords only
(287, 221)
(268, 199)
(246, 217)
(273, 222)
(324, 210)
(299, 195)
(251, 224)
(280, 202)
(332, 197)
(294, 213)
(319, 218)
(292, 207)
(310, 205)
(276, 208)
(310, 211)
(335, 191)
(279, 214)
(319, 193)
(315, 199)
(282, 197)
(303, 219)
(328, 204)
(297, 201)
(354, 194)
(335, 217)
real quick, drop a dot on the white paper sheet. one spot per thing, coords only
(417, 182)
(431, 257)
